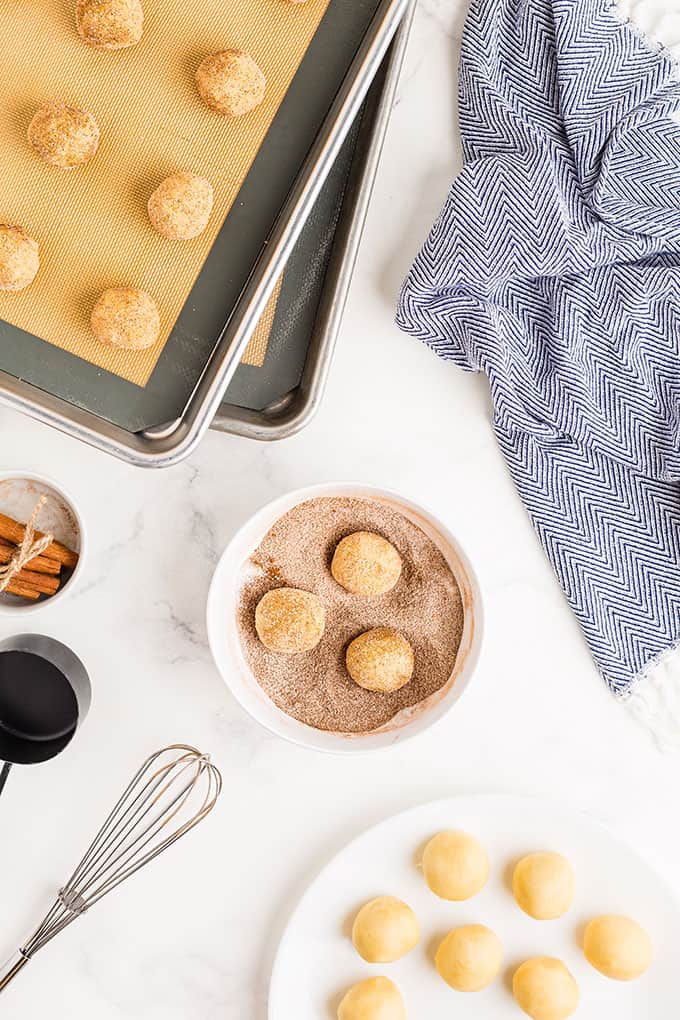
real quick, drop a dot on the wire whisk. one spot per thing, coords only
(172, 792)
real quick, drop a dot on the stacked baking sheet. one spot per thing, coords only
(158, 421)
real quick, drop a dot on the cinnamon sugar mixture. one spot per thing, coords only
(425, 606)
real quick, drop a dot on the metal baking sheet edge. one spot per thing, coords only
(304, 403)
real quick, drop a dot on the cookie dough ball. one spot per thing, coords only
(63, 136)
(543, 885)
(19, 259)
(618, 947)
(110, 24)
(380, 660)
(455, 865)
(545, 990)
(469, 958)
(125, 317)
(384, 930)
(377, 998)
(366, 564)
(180, 207)
(230, 83)
(289, 620)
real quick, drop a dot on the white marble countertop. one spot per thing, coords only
(193, 937)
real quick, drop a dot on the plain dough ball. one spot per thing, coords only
(231, 83)
(125, 317)
(19, 258)
(63, 136)
(543, 885)
(377, 998)
(455, 865)
(180, 206)
(366, 564)
(545, 989)
(469, 958)
(289, 620)
(384, 930)
(110, 24)
(618, 947)
(380, 660)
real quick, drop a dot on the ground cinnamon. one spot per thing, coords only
(425, 606)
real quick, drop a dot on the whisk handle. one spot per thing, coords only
(12, 968)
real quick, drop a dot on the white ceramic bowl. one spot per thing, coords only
(226, 645)
(19, 492)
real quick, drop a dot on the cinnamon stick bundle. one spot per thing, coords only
(43, 583)
(24, 591)
(41, 564)
(13, 531)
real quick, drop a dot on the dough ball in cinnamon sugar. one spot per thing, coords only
(19, 258)
(180, 207)
(63, 136)
(289, 620)
(110, 24)
(380, 660)
(126, 317)
(366, 564)
(230, 83)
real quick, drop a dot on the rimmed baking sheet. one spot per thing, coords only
(268, 389)
(281, 397)
(91, 221)
(230, 261)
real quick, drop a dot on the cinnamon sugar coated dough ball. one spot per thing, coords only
(231, 83)
(380, 660)
(366, 564)
(618, 947)
(543, 885)
(455, 865)
(63, 136)
(376, 998)
(110, 24)
(469, 958)
(545, 989)
(384, 930)
(180, 207)
(289, 620)
(127, 318)
(19, 258)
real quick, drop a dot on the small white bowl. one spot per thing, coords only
(19, 493)
(227, 651)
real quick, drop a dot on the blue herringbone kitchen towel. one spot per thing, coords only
(554, 268)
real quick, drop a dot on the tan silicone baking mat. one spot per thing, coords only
(91, 221)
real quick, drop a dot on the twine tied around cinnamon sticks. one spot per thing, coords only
(29, 548)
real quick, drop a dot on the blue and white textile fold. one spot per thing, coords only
(554, 268)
